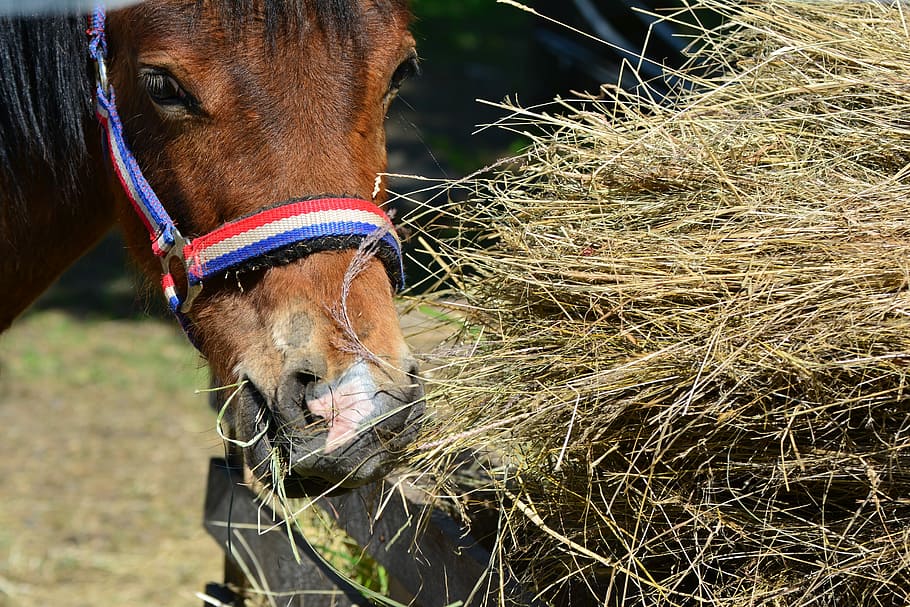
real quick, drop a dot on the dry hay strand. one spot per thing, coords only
(688, 325)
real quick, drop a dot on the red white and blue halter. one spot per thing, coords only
(278, 234)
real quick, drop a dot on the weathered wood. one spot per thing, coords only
(238, 523)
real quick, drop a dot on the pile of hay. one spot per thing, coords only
(688, 326)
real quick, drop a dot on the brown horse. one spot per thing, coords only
(229, 106)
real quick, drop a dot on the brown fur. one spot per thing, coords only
(303, 118)
(36, 247)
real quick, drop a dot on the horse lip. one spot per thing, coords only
(255, 428)
(265, 434)
(309, 469)
(416, 407)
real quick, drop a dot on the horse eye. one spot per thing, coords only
(164, 89)
(408, 68)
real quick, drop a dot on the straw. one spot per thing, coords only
(687, 325)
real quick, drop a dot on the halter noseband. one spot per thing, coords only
(276, 235)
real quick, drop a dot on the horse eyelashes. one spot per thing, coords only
(165, 91)
(164, 88)
(408, 68)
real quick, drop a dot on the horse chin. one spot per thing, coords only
(280, 446)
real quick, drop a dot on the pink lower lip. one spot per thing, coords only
(343, 409)
(345, 405)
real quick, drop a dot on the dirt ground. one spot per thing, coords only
(103, 459)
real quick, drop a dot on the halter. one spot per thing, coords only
(276, 235)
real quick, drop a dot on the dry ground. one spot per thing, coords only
(103, 459)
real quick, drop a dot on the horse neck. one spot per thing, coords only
(42, 233)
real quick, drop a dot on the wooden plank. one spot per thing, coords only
(237, 522)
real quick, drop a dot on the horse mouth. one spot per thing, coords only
(290, 456)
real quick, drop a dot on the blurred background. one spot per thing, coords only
(104, 438)
(481, 49)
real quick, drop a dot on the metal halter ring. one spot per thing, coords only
(176, 251)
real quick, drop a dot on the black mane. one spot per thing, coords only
(45, 98)
(46, 82)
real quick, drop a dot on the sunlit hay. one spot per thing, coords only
(688, 326)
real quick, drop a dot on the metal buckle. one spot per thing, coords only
(101, 73)
(176, 252)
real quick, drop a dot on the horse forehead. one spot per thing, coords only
(230, 22)
(200, 40)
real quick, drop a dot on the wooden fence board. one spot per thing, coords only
(237, 522)
(436, 564)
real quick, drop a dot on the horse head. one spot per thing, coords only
(231, 108)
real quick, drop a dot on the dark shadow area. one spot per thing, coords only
(482, 50)
(104, 284)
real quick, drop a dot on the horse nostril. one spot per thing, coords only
(306, 380)
(296, 388)
(413, 370)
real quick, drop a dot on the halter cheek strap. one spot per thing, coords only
(276, 235)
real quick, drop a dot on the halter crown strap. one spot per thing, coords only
(275, 235)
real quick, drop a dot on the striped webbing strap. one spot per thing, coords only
(275, 235)
(310, 225)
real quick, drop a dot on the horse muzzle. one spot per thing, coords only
(320, 435)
